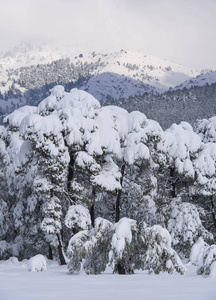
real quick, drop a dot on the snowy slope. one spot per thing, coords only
(200, 80)
(159, 73)
(128, 73)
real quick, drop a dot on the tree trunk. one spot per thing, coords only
(60, 251)
(120, 269)
(213, 210)
(173, 183)
(70, 171)
(91, 209)
(50, 253)
(118, 199)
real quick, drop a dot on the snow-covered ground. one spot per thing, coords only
(17, 283)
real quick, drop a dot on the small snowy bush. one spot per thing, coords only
(185, 226)
(37, 263)
(197, 251)
(123, 246)
(156, 254)
(5, 249)
(91, 248)
(96, 250)
(207, 264)
(143, 247)
(75, 252)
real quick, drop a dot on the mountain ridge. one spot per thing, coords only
(28, 72)
(116, 74)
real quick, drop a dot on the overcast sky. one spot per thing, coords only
(182, 31)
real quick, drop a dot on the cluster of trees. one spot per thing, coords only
(58, 71)
(197, 102)
(91, 185)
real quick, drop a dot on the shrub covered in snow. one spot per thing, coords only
(185, 226)
(96, 250)
(5, 249)
(92, 247)
(37, 263)
(207, 264)
(197, 251)
(155, 253)
(74, 251)
(143, 247)
(125, 246)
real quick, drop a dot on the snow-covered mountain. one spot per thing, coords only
(108, 75)
(128, 73)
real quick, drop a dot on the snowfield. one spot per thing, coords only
(17, 283)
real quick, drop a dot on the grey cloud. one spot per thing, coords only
(179, 30)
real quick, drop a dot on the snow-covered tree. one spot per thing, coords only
(77, 218)
(135, 148)
(123, 246)
(90, 248)
(19, 185)
(51, 157)
(181, 145)
(4, 212)
(207, 264)
(205, 170)
(197, 251)
(182, 219)
(205, 184)
(154, 251)
(206, 129)
(185, 226)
